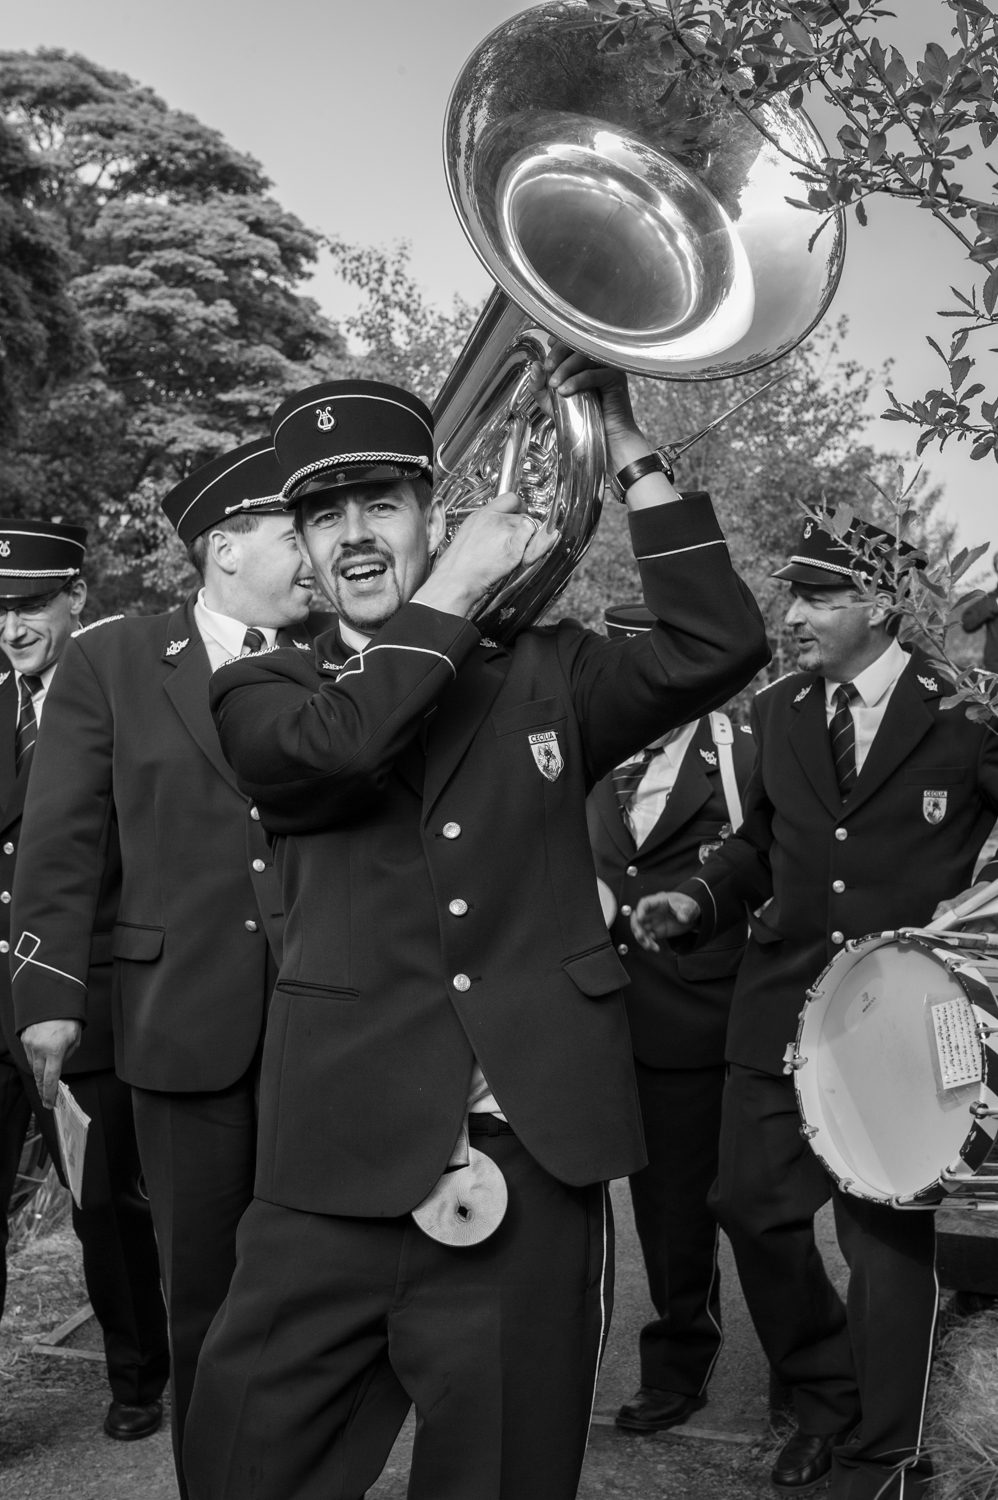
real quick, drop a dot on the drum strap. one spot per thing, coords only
(720, 729)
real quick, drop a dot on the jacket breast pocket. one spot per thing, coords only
(136, 943)
(520, 716)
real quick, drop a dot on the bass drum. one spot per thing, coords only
(896, 1069)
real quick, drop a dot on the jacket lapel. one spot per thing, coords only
(607, 807)
(691, 790)
(187, 673)
(909, 716)
(460, 711)
(12, 787)
(810, 744)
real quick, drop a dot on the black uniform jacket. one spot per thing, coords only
(907, 836)
(127, 732)
(440, 894)
(96, 1051)
(677, 1004)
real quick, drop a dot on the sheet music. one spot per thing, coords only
(72, 1125)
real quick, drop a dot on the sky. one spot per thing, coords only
(343, 101)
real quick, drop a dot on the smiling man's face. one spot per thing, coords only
(836, 631)
(369, 546)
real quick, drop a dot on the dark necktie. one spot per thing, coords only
(253, 640)
(27, 722)
(626, 780)
(842, 734)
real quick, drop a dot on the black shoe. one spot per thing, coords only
(803, 1460)
(653, 1411)
(126, 1423)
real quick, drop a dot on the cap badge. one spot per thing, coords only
(547, 754)
(710, 757)
(934, 806)
(325, 419)
(4, 548)
(175, 647)
(808, 528)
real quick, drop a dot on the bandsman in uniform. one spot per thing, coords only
(133, 747)
(868, 808)
(42, 595)
(652, 822)
(449, 995)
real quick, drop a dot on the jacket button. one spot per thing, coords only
(4, 946)
(457, 907)
(251, 926)
(462, 982)
(259, 865)
(838, 937)
(621, 948)
(631, 870)
(625, 911)
(838, 886)
(840, 834)
(5, 897)
(451, 830)
(8, 848)
(255, 814)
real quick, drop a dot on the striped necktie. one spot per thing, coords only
(626, 779)
(253, 640)
(842, 734)
(27, 721)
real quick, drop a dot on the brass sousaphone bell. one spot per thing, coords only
(656, 238)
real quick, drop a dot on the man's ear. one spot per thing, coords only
(882, 608)
(222, 550)
(436, 524)
(77, 597)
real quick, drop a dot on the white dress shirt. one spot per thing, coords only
(875, 684)
(223, 636)
(655, 786)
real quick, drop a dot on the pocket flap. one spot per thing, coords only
(140, 944)
(597, 973)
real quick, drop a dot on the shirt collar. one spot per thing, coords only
(877, 679)
(46, 676)
(229, 633)
(353, 638)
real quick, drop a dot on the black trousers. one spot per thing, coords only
(681, 1112)
(113, 1225)
(868, 1361)
(333, 1327)
(198, 1153)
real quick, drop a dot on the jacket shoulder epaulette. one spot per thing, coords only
(776, 682)
(107, 620)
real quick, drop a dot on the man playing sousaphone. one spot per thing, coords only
(449, 997)
(868, 808)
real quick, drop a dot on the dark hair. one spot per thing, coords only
(197, 551)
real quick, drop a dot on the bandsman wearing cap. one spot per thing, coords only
(42, 594)
(652, 822)
(868, 808)
(449, 996)
(132, 746)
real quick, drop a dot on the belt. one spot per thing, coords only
(485, 1124)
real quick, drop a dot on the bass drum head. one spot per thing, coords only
(873, 1084)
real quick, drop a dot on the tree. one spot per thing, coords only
(907, 131)
(185, 276)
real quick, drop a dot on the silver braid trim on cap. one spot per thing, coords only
(813, 562)
(245, 505)
(350, 460)
(39, 572)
